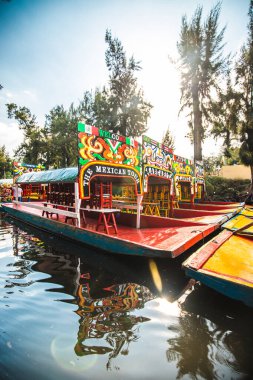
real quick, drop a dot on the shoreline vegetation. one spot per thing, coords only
(224, 189)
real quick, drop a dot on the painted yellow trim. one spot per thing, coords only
(92, 163)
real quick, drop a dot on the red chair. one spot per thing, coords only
(103, 195)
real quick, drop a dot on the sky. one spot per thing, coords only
(54, 50)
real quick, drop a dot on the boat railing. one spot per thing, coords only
(125, 205)
(50, 208)
(148, 208)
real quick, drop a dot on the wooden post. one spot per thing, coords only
(77, 203)
(16, 188)
(138, 217)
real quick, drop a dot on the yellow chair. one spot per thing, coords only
(175, 203)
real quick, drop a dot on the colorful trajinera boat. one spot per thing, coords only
(189, 195)
(225, 263)
(155, 237)
(5, 190)
(120, 199)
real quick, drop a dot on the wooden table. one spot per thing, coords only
(106, 218)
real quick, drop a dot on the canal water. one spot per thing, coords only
(69, 312)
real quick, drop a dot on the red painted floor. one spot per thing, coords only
(171, 237)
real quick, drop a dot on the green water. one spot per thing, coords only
(67, 312)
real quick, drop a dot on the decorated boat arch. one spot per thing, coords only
(104, 156)
(30, 191)
(183, 179)
(20, 168)
(109, 164)
(5, 190)
(199, 182)
(157, 164)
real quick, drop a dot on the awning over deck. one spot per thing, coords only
(50, 176)
(6, 181)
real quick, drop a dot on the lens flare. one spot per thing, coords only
(62, 349)
(155, 275)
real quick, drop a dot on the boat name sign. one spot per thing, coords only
(100, 169)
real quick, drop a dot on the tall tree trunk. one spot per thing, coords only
(197, 125)
(251, 186)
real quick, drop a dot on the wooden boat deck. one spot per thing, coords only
(225, 264)
(161, 234)
(247, 211)
(221, 209)
(208, 219)
(227, 256)
(233, 261)
(240, 222)
(204, 216)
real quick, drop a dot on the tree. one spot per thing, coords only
(60, 131)
(125, 109)
(244, 75)
(212, 164)
(120, 107)
(201, 65)
(226, 119)
(32, 149)
(5, 163)
(168, 139)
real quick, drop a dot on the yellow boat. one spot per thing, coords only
(225, 264)
(240, 223)
(247, 211)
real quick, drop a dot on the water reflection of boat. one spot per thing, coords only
(205, 322)
(109, 292)
(109, 318)
(121, 297)
(65, 262)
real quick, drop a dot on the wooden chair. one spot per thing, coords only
(103, 195)
(175, 203)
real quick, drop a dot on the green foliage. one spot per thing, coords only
(246, 154)
(5, 163)
(244, 77)
(201, 64)
(209, 188)
(27, 121)
(120, 107)
(212, 164)
(226, 116)
(60, 131)
(219, 188)
(232, 156)
(126, 111)
(233, 110)
(31, 151)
